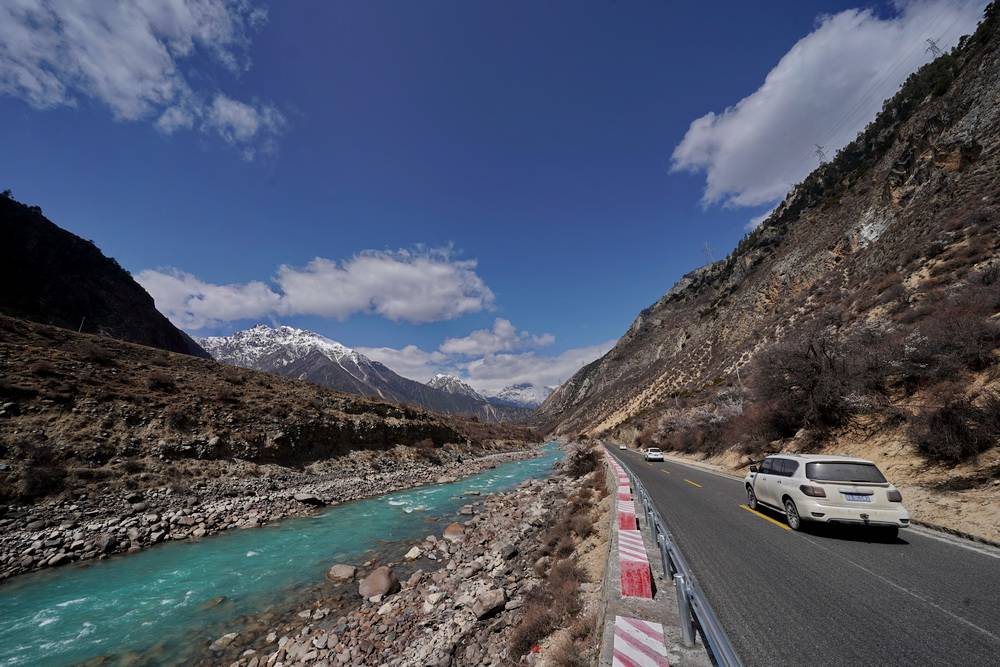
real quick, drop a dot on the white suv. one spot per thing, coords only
(653, 454)
(829, 489)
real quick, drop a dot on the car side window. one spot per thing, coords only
(784, 467)
(766, 467)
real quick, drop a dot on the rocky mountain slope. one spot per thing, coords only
(309, 356)
(51, 276)
(81, 412)
(864, 309)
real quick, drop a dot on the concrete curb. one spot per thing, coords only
(654, 616)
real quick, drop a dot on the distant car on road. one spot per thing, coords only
(622, 447)
(653, 454)
(828, 489)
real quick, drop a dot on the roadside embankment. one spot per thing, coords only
(515, 579)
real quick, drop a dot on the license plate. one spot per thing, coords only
(858, 498)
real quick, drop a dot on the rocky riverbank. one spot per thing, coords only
(89, 526)
(485, 590)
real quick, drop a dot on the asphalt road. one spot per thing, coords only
(831, 596)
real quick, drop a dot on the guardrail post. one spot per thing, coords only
(684, 611)
(661, 539)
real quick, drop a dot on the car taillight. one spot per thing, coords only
(814, 491)
(894, 496)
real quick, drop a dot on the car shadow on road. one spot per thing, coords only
(843, 531)
(852, 533)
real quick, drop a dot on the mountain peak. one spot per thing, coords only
(280, 345)
(453, 385)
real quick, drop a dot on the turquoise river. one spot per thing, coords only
(162, 597)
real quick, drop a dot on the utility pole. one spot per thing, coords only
(933, 47)
(820, 154)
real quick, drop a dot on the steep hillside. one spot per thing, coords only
(309, 356)
(51, 276)
(865, 307)
(78, 410)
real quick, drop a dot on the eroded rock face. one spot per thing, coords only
(382, 581)
(928, 165)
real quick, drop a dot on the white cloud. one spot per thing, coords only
(492, 373)
(410, 361)
(823, 91)
(191, 303)
(424, 285)
(414, 286)
(128, 55)
(503, 337)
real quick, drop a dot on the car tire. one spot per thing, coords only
(792, 515)
(751, 498)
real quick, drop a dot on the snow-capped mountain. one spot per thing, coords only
(307, 355)
(524, 394)
(276, 347)
(454, 385)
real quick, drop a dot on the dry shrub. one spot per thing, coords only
(43, 369)
(547, 606)
(41, 473)
(225, 394)
(582, 525)
(537, 621)
(565, 652)
(581, 461)
(160, 381)
(958, 430)
(94, 353)
(178, 417)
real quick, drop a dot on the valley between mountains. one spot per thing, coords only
(861, 317)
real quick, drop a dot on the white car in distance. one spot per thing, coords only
(653, 454)
(827, 489)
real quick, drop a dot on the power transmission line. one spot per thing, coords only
(933, 48)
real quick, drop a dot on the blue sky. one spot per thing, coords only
(536, 172)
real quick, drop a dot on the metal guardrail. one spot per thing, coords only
(696, 614)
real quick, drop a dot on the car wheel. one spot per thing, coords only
(751, 498)
(792, 515)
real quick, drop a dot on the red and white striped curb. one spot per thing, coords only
(626, 515)
(624, 493)
(638, 644)
(635, 576)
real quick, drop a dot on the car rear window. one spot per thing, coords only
(837, 471)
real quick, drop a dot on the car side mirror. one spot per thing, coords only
(753, 468)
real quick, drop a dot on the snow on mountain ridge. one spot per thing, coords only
(454, 385)
(523, 394)
(282, 345)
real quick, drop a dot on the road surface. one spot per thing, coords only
(831, 596)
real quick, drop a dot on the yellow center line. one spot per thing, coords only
(765, 517)
(693, 483)
(665, 470)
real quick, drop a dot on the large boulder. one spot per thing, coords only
(381, 581)
(454, 532)
(309, 499)
(489, 602)
(341, 572)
